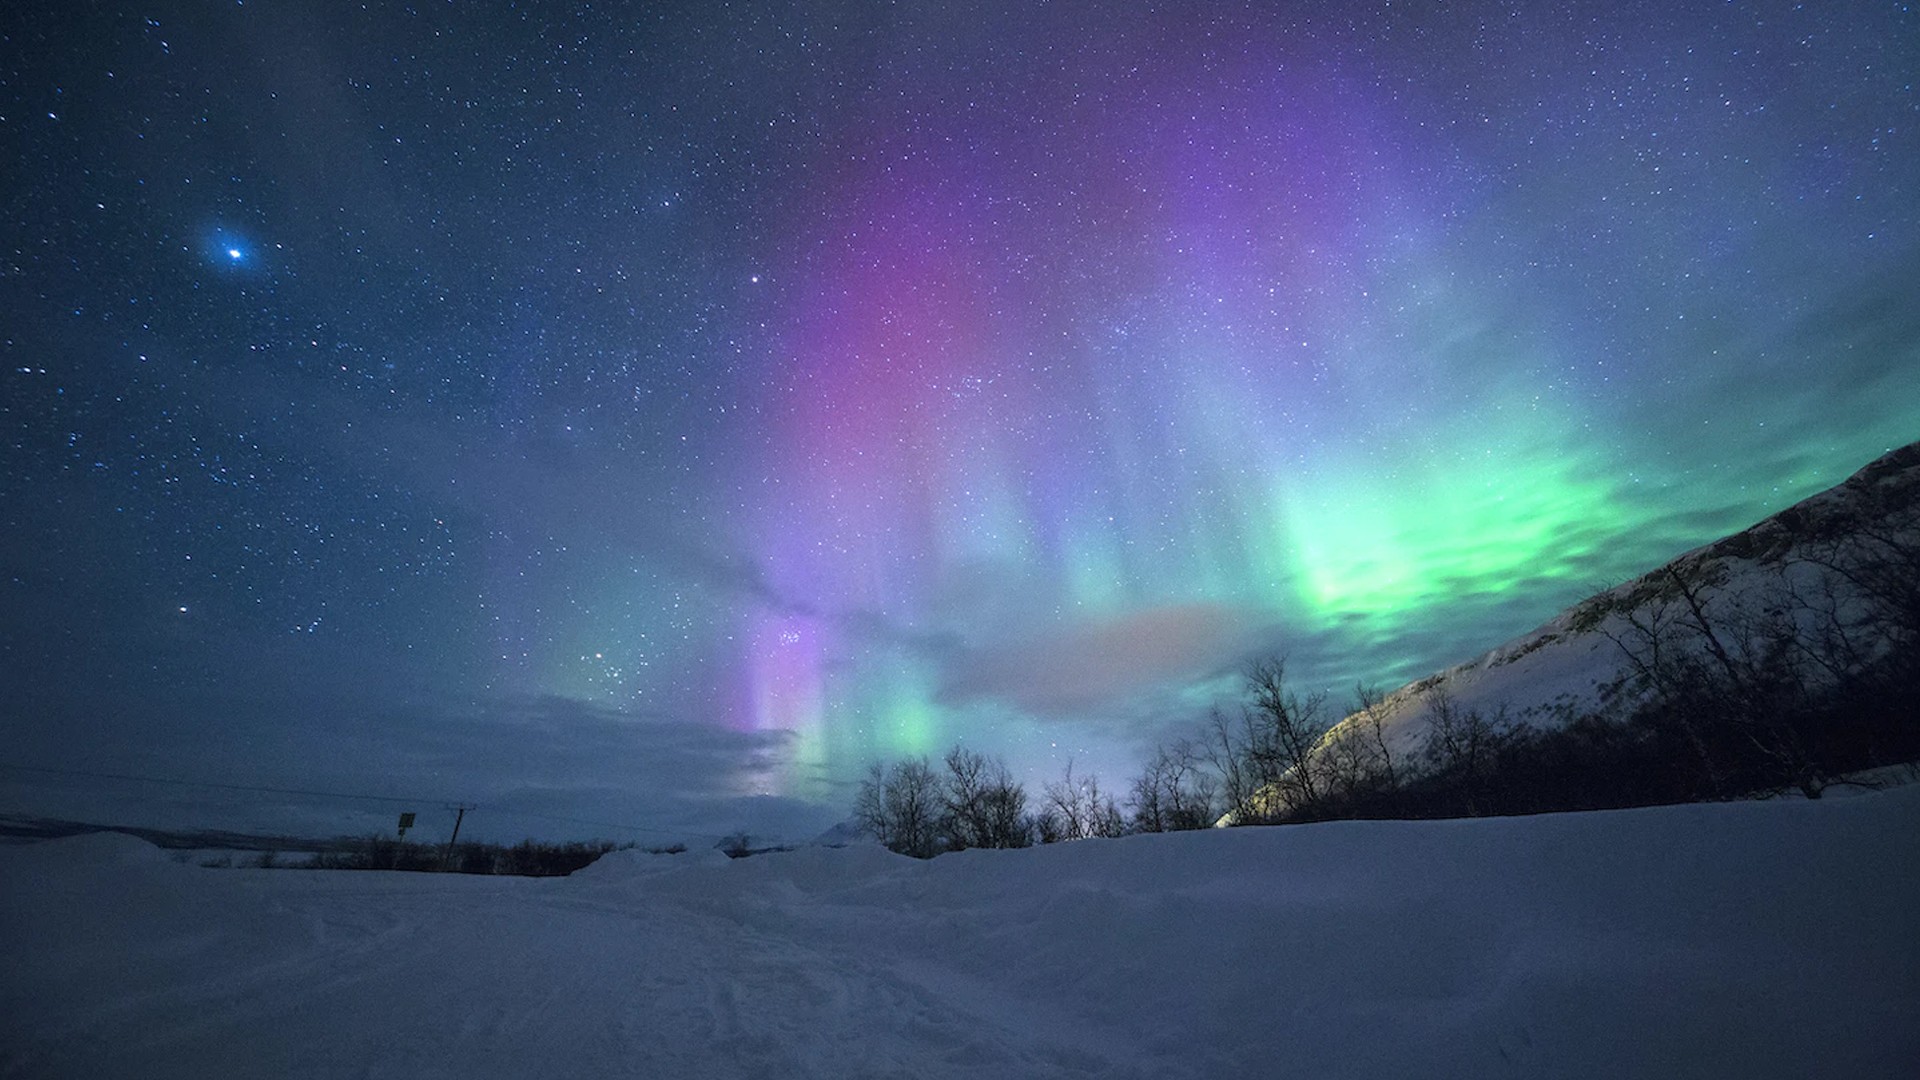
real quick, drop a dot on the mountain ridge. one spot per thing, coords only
(1575, 664)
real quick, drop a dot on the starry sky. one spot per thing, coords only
(647, 415)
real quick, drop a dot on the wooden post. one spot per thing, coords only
(462, 816)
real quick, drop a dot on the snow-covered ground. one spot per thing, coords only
(1731, 940)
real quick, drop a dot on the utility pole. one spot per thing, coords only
(462, 816)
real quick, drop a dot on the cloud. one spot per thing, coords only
(540, 766)
(579, 767)
(1094, 665)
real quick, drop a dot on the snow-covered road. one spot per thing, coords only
(1750, 940)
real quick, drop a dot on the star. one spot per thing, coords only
(1231, 350)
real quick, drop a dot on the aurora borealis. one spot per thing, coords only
(619, 413)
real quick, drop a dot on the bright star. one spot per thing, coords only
(233, 253)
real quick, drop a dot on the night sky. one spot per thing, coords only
(647, 416)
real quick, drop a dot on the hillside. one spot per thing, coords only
(1795, 575)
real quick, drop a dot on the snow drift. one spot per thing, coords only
(1750, 939)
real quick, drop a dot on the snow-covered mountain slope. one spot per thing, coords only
(1753, 939)
(1574, 665)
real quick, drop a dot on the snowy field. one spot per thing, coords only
(1775, 939)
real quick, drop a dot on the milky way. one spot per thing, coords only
(612, 413)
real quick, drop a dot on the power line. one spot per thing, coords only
(211, 784)
(608, 824)
(266, 790)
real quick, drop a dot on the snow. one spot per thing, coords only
(1743, 939)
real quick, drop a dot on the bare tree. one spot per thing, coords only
(1371, 710)
(1175, 791)
(1355, 759)
(1649, 638)
(1078, 809)
(901, 805)
(1461, 744)
(1008, 824)
(1048, 826)
(965, 799)
(1284, 730)
(1735, 681)
(1145, 797)
(1242, 787)
(1870, 578)
(984, 807)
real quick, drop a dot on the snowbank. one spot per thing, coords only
(1751, 940)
